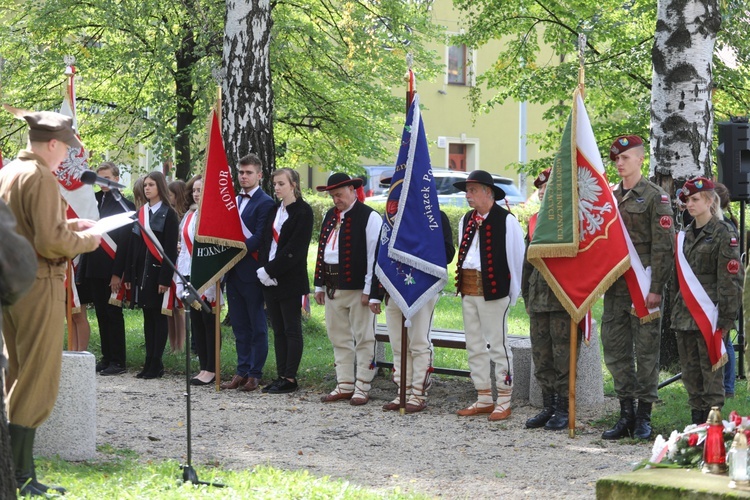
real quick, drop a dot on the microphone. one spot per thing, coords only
(89, 177)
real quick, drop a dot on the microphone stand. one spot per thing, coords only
(189, 295)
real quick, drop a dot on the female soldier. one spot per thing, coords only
(709, 286)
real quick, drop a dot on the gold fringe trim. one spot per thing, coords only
(648, 318)
(578, 313)
(722, 361)
(76, 310)
(166, 312)
(551, 250)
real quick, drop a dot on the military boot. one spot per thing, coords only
(559, 420)
(643, 421)
(624, 426)
(549, 400)
(22, 451)
(696, 417)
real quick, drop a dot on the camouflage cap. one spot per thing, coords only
(47, 125)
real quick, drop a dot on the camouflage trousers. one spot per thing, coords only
(550, 349)
(631, 350)
(705, 388)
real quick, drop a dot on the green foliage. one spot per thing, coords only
(146, 73)
(539, 62)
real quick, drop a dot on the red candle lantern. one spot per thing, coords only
(714, 451)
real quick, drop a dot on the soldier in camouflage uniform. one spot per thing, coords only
(631, 348)
(712, 253)
(550, 337)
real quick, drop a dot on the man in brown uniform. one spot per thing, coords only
(33, 326)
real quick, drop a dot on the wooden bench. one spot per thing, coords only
(449, 339)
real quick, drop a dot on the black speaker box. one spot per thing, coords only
(733, 159)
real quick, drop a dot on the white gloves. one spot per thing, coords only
(265, 278)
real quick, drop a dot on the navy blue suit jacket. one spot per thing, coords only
(254, 216)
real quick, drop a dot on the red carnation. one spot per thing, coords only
(693, 439)
(735, 417)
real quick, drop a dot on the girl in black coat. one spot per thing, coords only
(148, 278)
(283, 255)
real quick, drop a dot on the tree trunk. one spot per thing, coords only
(247, 104)
(681, 106)
(185, 58)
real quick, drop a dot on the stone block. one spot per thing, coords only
(667, 484)
(70, 431)
(589, 377)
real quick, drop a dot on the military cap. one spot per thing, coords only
(47, 125)
(622, 144)
(695, 185)
(542, 178)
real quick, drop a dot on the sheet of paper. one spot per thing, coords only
(110, 223)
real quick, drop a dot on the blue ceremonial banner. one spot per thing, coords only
(411, 256)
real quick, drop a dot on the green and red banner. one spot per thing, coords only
(219, 241)
(578, 243)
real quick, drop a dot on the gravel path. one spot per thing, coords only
(434, 452)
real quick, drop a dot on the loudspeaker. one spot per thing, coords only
(733, 159)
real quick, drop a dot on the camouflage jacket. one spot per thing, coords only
(536, 293)
(714, 257)
(646, 210)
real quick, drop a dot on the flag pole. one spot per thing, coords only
(409, 77)
(217, 336)
(72, 336)
(573, 326)
(572, 379)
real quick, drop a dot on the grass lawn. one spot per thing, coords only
(128, 476)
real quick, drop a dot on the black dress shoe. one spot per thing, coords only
(284, 387)
(101, 365)
(113, 369)
(195, 381)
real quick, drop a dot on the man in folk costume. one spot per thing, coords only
(708, 279)
(550, 337)
(244, 291)
(103, 270)
(343, 278)
(419, 353)
(490, 263)
(33, 326)
(631, 346)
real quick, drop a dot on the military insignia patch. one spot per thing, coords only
(665, 198)
(733, 242)
(665, 221)
(733, 266)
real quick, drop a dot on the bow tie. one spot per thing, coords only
(244, 195)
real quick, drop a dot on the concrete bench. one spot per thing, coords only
(456, 339)
(70, 430)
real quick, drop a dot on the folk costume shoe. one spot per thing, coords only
(476, 409)
(415, 404)
(549, 399)
(339, 393)
(236, 382)
(624, 426)
(643, 421)
(361, 394)
(395, 404)
(559, 420)
(502, 408)
(22, 448)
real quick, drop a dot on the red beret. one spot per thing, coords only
(624, 143)
(542, 178)
(695, 185)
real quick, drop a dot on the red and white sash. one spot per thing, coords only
(149, 238)
(702, 309)
(638, 280)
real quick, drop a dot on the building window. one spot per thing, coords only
(457, 65)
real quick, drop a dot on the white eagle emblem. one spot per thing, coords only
(590, 213)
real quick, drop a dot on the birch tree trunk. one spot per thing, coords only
(681, 106)
(681, 110)
(247, 104)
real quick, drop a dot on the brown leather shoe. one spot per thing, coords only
(416, 405)
(251, 384)
(336, 396)
(390, 406)
(499, 414)
(359, 400)
(474, 409)
(235, 383)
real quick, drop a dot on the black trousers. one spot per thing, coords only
(203, 328)
(286, 321)
(155, 333)
(111, 322)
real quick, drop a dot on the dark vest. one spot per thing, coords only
(352, 247)
(495, 271)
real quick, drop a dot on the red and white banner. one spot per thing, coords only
(702, 309)
(80, 197)
(638, 280)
